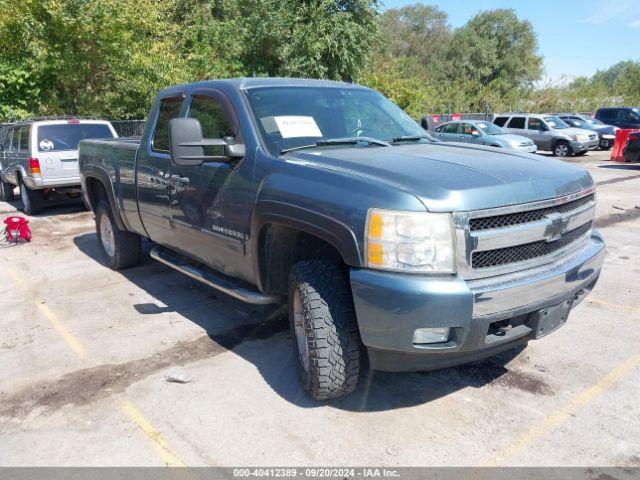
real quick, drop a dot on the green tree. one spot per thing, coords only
(497, 52)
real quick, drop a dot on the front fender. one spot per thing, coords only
(332, 231)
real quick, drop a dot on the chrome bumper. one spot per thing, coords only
(508, 295)
(36, 183)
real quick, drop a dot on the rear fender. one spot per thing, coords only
(104, 178)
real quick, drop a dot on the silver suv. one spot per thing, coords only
(41, 156)
(549, 133)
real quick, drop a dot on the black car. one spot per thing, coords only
(631, 152)
(606, 133)
(623, 117)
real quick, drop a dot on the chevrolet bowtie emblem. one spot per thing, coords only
(555, 229)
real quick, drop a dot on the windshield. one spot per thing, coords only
(574, 122)
(555, 122)
(293, 117)
(592, 121)
(66, 136)
(490, 128)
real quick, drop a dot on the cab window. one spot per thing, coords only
(169, 108)
(469, 129)
(450, 128)
(536, 124)
(211, 116)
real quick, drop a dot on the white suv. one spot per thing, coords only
(41, 156)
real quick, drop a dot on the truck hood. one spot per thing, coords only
(454, 177)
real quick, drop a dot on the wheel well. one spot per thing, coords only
(280, 247)
(96, 191)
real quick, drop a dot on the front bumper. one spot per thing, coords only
(391, 306)
(528, 149)
(584, 146)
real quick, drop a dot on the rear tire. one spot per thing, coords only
(324, 329)
(32, 200)
(6, 191)
(562, 149)
(121, 249)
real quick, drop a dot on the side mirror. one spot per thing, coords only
(187, 145)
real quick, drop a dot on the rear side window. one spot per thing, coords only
(24, 138)
(169, 108)
(500, 121)
(516, 122)
(629, 116)
(66, 136)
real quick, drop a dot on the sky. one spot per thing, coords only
(575, 37)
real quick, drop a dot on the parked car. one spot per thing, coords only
(41, 156)
(606, 133)
(549, 133)
(416, 253)
(631, 152)
(483, 133)
(621, 117)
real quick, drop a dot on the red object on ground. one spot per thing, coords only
(17, 228)
(622, 136)
(455, 117)
(435, 118)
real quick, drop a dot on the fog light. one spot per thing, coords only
(431, 335)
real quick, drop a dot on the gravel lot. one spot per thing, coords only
(85, 353)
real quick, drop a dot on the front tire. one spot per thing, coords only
(120, 249)
(6, 191)
(324, 329)
(562, 149)
(32, 200)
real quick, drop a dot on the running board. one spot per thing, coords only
(209, 278)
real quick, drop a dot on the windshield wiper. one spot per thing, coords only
(410, 138)
(340, 141)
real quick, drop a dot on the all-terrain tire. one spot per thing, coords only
(32, 200)
(327, 317)
(6, 191)
(121, 249)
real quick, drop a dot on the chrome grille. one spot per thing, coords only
(519, 253)
(499, 221)
(507, 239)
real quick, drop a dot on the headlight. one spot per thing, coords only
(409, 241)
(582, 138)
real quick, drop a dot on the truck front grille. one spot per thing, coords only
(507, 239)
(499, 221)
(520, 253)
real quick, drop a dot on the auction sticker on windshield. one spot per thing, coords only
(292, 126)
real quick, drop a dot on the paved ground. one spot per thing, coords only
(84, 352)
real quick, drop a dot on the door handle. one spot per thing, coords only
(179, 179)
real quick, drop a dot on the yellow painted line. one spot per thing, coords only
(70, 340)
(613, 305)
(555, 419)
(155, 437)
(73, 343)
(17, 279)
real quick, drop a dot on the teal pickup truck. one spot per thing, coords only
(387, 245)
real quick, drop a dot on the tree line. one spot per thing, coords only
(110, 57)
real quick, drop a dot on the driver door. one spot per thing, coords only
(211, 202)
(539, 132)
